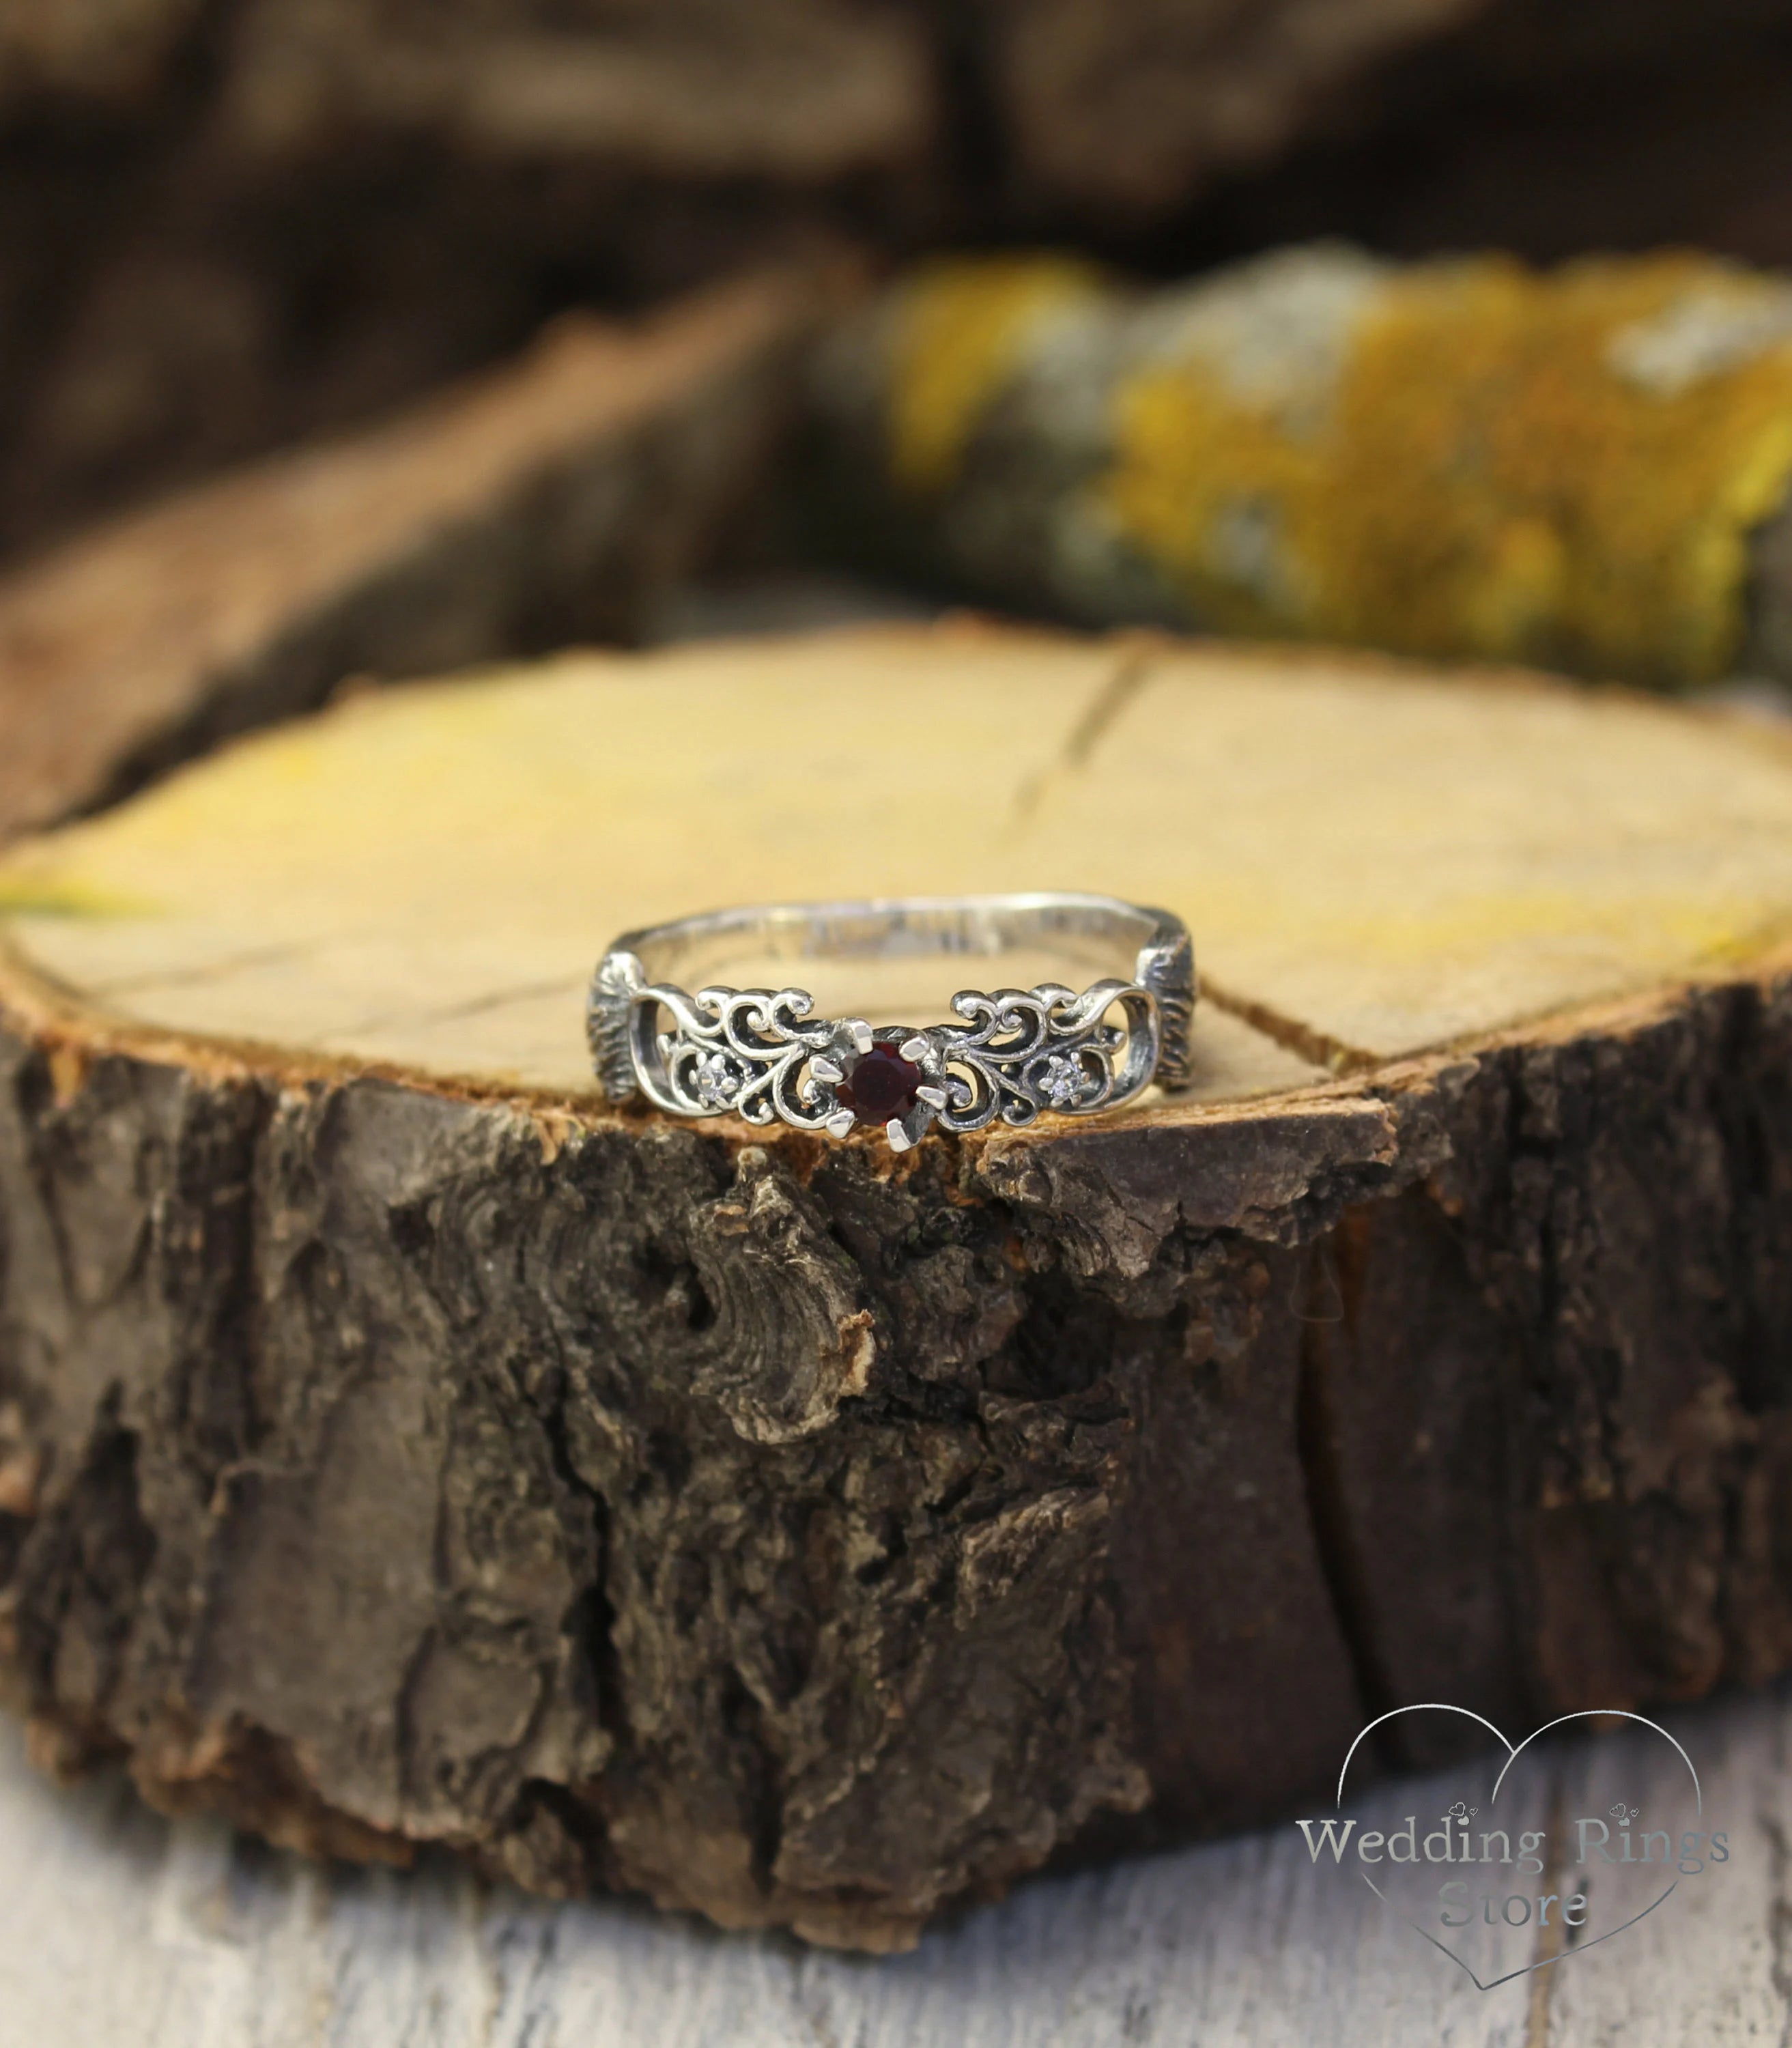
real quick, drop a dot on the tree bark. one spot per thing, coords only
(400, 1446)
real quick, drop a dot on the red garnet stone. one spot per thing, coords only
(880, 1085)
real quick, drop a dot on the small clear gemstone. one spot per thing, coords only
(719, 1080)
(1061, 1080)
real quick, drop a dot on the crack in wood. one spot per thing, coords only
(1317, 1047)
(1131, 668)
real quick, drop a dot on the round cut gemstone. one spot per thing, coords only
(1061, 1080)
(880, 1085)
(719, 1080)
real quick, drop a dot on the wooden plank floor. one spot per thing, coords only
(117, 1929)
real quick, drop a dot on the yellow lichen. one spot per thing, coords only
(1502, 470)
(961, 327)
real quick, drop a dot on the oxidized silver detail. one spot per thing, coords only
(763, 1055)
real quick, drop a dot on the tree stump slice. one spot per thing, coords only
(399, 1446)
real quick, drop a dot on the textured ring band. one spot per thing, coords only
(762, 1054)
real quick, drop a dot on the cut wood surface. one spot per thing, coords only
(555, 497)
(402, 1446)
(1377, 862)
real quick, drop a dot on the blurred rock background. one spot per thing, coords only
(228, 224)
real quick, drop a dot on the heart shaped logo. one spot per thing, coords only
(1525, 1867)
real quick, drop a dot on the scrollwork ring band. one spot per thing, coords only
(1010, 1054)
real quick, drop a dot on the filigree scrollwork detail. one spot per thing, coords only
(761, 1055)
(1023, 1051)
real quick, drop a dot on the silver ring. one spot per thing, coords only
(763, 1055)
